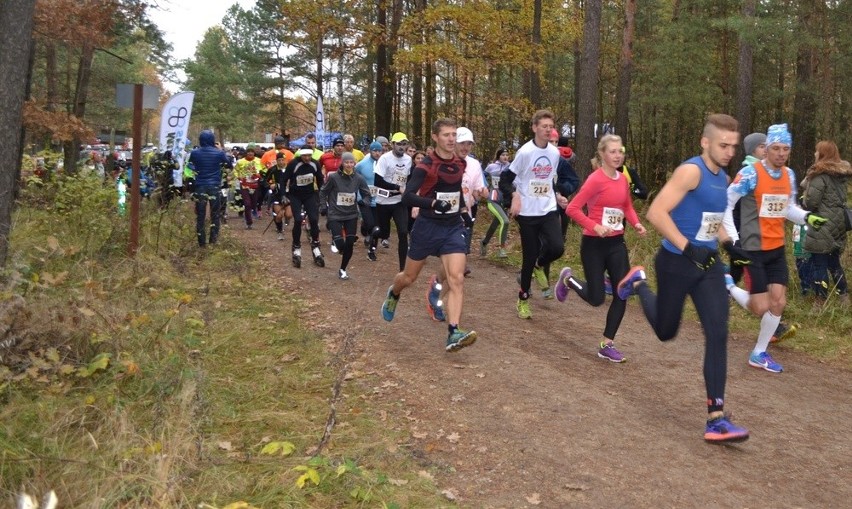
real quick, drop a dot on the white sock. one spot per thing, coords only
(739, 295)
(768, 324)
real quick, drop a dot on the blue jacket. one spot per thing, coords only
(208, 161)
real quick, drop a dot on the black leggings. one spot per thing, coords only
(541, 244)
(399, 213)
(601, 255)
(310, 202)
(678, 277)
(345, 246)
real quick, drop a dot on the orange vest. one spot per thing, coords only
(763, 215)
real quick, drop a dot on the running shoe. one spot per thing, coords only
(610, 353)
(460, 339)
(385, 243)
(483, 250)
(784, 331)
(280, 236)
(607, 285)
(524, 309)
(625, 286)
(540, 278)
(371, 255)
(334, 248)
(764, 361)
(501, 253)
(547, 294)
(389, 306)
(434, 305)
(562, 284)
(466, 271)
(721, 430)
(342, 274)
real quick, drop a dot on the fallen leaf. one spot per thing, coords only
(290, 357)
(398, 482)
(52, 243)
(457, 398)
(86, 312)
(265, 315)
(453, 437)
(459, 366)
(480, 375)
(225, 446)
(426, 475)
(534, 499)
(449, 494)
(419, 434)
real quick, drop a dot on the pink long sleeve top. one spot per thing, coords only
(608, 202)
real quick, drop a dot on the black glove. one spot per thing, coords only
(323, 211)
(364, 203)
(468, 221)
(442, 206)
(738, 255)
(703, 257)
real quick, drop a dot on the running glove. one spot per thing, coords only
(703, 257)
(468, 221)
(442, 206)
(739, 256)
(815, 221)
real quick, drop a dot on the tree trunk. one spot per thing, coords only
(535, 78)
(804, 105)
(625, 75)
(382, 79)
(16, 46)
(71, 148)
(745, 76)
(341, 111)
(431, 101)
(589, 78)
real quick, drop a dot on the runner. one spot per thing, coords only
(302, 176)
(281, 212)
(529, 181)
(606, 195)
(367, 169)
(339, 199)
(766, 191)
(249, 172)
(390, 178)
(435, 187)
(500, 223)
(688, 213)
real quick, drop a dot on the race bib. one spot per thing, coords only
(540, 188)
(773, 205)
(495, 181)
(345, 199)
(613, 218)
(399, 178)
(373, 190)
(797, 233)
(710, 224)
(453, 198)
(304, 180)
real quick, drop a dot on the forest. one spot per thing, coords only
(649, 70)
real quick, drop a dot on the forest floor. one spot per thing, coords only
(529, 416)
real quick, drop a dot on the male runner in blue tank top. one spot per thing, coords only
(688, 213)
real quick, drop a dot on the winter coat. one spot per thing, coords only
(208, 161)
(825, 184)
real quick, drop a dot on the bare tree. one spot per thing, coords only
(16, 46)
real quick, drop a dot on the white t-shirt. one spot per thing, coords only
(535, 170)
(472, 181)
(394, 170)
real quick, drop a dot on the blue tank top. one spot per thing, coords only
(699, 215)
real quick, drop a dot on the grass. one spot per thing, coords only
(157, 381)
(825, 332)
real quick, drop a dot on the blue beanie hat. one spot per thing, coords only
(779, 133)
(375, 146)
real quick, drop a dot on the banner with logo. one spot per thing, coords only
(320, 126)
(174, 124)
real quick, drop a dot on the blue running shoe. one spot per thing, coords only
(607, 285)
(764, 361)
(562, 284)
(721, 430)
(625, 286)
(460, 339)
(389, 306)
(434, 305)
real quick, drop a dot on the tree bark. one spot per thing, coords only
(16, 46)
(382, 101)
(745, 77)
(71, 148)
(625, 75)
(535, 78)
(804, 105)
(589, 78)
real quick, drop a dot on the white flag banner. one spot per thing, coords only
(320, 126)
(174, 124)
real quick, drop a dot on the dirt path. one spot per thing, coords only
(529, 416)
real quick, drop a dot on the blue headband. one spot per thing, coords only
(779, 133)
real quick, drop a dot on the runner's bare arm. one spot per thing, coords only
(685, 178)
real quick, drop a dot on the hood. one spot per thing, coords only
(206, 139)
(566, 152)
(837, 169)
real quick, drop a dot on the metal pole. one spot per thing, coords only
(135, 186)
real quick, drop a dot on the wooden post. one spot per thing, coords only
(135, 185)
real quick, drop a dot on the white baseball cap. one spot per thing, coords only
(464, 134)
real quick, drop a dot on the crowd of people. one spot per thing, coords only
(432, 197)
